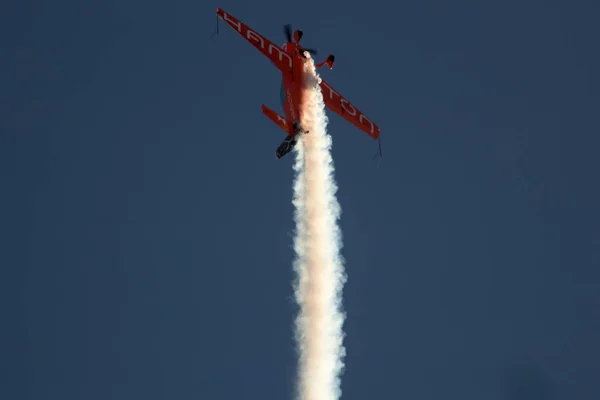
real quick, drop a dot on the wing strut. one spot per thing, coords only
(379, 154)
(215, 33)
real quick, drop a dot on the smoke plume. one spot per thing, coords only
(318, 265)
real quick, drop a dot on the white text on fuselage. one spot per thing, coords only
(257, 40)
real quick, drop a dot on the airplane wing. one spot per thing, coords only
(276, 54)
(335, 102)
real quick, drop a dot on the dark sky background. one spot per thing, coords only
(146, 227)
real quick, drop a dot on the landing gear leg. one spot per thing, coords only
(298, 128)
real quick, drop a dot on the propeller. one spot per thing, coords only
(287, 30)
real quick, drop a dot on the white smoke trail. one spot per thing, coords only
(319, 264)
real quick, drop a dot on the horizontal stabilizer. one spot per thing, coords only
(329, 61)
(277, 119)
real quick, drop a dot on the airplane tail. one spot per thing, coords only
(329, 61)
(277, 119)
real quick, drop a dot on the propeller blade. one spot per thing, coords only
(287, 30)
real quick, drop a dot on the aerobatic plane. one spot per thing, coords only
(290, 59)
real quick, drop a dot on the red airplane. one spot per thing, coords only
(290, 59)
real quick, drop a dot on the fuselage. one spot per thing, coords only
(291, 84)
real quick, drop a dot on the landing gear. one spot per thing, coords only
(286, 146)
(298, 128)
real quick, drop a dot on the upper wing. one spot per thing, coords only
(342, 107)
(276, 54)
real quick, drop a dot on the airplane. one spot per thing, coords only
(289, 59)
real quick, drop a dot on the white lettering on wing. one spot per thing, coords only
(360, 119)
(281, 53)
(232, 22)
(346, 104)
(347, 107)
(257, 38)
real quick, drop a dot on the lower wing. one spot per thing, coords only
(335, 102)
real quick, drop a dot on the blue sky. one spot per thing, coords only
(147, 227)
